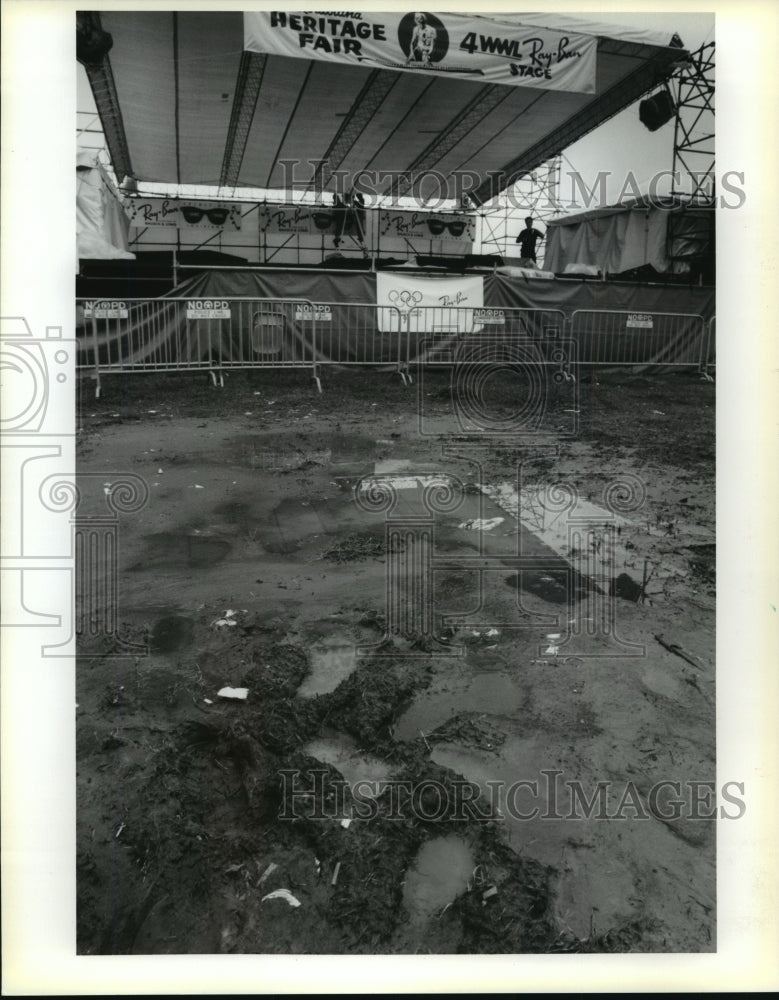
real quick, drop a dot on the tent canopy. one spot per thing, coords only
(618, 238)
(182, 102)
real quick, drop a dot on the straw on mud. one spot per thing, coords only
(677, 650)
(334, 879)
(425, 739)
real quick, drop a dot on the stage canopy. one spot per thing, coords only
(193, 97)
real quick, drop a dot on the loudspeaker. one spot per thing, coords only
(656, 111)
(92, 44)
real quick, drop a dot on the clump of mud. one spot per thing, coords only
(358, 546)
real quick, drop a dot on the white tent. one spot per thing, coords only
(101, 222)
(613, 239)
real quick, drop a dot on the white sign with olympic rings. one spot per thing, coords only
(427, 304)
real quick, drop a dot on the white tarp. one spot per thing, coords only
(426, 304)
(475, 48)
(101, 224)
(612, 240)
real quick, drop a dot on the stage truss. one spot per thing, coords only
(690, 240)
(502, 217)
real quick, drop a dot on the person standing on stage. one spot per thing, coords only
(527, 240)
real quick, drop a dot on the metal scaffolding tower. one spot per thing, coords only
(691, 230)
(502, 217)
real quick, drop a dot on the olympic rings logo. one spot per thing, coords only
(404, 299)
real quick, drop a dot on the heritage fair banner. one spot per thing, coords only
(446, 304)
(183, 214)
(486, 50)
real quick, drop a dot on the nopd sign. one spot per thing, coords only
(489, 317)
(208, 309)
(322, 313)
(639, 321)
(105, 309)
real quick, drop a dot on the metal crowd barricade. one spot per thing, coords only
(709, 350)
(621, 337)
(449, 335)
(199, 334)
(359, 333)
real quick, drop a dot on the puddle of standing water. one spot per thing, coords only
(590, 877)
(331, 662)
(491, 693)
(168, 548)
(437, 876)
(170, 633)
(341, 752)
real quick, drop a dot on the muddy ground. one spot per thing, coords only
(259, 564)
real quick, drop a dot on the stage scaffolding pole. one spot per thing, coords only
(535, 194)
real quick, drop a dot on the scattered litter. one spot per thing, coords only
(673, 647)
(336, 872)
(481, 524)
(551, 650)
(318, 865)
(346, 822)
(659, 413)
(107, 490)
(159, 471)
(425, 739)
(221, 622)
(208, 701)
(121, 827)
(492, 891)
(197, 485)
(282, 894)
(256, 393)
(151, 411)
(268, 872)
(237, 694)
